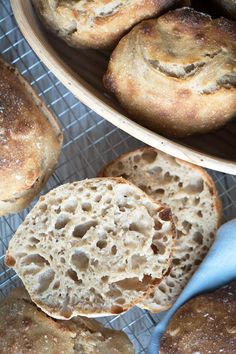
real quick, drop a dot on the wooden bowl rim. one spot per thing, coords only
(24, 15)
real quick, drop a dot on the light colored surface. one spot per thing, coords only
(90, 143)
(191, 195)
(96, 24)
(94, 97)
(86, 248)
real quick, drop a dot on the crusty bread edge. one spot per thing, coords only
(20, 294)
(19, 202)
(111, 41)
(205, 176)
(37, 101)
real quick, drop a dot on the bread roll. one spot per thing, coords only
(30, 141)
(177, 74)
(191, 194)
(98, 23)
(25, 329)
(204, 325)
(94, 247)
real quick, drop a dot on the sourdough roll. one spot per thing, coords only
(94, 247)
(176, 74)
(30, 141)
(191, 194)
(25, 329)
(205, 324)
(97, 23)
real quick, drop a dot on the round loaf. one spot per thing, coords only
(30, 141)
(97, 23)
(25, 329)
(204, 325)
(93, 247)
(177, 74)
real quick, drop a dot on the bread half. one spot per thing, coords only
(30, 141)
(25, 329)
(94, 247)
(191, 194)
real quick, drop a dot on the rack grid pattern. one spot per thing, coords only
(89, 143)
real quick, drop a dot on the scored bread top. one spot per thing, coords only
(25, 329)
(205, 324)
(30, 141)
(97, 23)
(92, 247)
(176, 74)
(191, 194)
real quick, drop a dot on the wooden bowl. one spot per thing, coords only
(81, 72)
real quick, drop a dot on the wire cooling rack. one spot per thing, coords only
(89, 143)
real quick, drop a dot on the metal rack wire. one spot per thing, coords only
(89, 143)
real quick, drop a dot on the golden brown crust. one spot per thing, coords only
(97, 23)
(205, 324)
(25, 329)
(184, 90)
(9, 260)
(30, 141)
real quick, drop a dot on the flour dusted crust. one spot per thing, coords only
(177, 74)
(93, 247)
(30, 141)
(25, 329)
(205, 324)
(97, 23)
(191, 194)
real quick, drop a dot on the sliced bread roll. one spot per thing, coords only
(192, 196)
(25, 329)
(93, 247)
